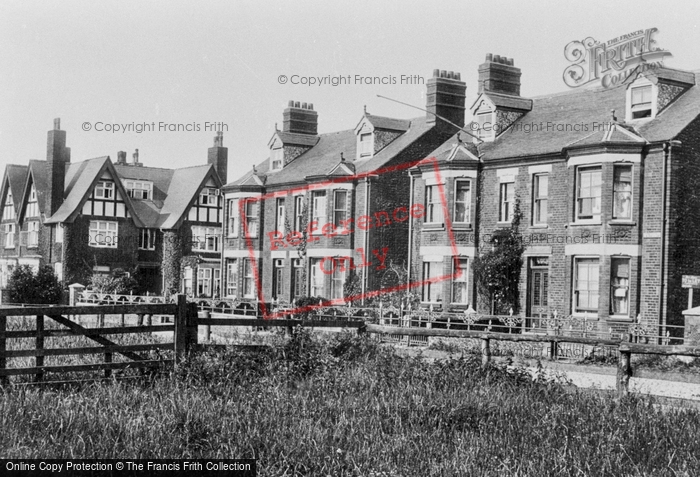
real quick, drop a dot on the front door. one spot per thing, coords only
(538, 292)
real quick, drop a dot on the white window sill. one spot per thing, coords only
(622, 318)
(585, 222)
(539, 226)
(591, 316)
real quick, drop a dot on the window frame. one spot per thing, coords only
(105, 188)
(434, 213)
(277, 159)
(10, 232)
(342, 211)
(594, 218)
(280, 214)
(316, 275)
(96, 231)
(298, 212)
(506, 204)
(322, 219)
(630, 192)
(207, 232)
(233, 218)
(434, 269)
(614, 287)
(232, 277)
(462, 279)
(365, 147)
(248, 278)
(32, 234)
(576, 309)
(252, 218)
(637, 108)
(147, 239)
(538, 200)
(467, 202)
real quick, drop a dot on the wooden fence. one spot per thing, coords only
(131, 355)
(187, 322)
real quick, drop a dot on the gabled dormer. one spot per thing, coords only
(499, 103)
(375, 132)
(299, 134)
(651, 91)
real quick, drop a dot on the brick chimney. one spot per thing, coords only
(57, 156)
(218, 156)
(121, 158)
(498, 75)
(446, 97)
(300, 118)
(135, 157)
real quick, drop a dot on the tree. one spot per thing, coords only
(40, 288)
(119, 282)
(497, 272)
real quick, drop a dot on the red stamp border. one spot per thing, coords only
(323, 185)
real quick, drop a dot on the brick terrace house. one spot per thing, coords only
(94, 216)
(313, 180)
(607, 181)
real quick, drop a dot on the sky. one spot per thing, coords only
(199, 63)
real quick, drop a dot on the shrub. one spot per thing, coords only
(42, 287)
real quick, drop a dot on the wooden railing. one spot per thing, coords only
(384, 323)
(132, 356)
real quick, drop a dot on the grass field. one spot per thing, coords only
(342, 405)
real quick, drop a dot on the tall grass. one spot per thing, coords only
(344, 406)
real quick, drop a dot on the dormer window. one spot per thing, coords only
(486, 125)
(640, 103)
(641, 100)
(139, 189)
(276, 159)
(366, 145)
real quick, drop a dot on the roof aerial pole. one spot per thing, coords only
(436, 115)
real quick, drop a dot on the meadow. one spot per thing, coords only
(344, 405)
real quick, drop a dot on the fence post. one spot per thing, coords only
(485, 351)
(192, 325)
(39, 360)
(3, 361)
(624, 368)
(181, 331)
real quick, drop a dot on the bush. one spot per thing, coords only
(40, 288)
(119, 282)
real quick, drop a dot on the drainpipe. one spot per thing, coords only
(366, 237)
(224, 217)
(664, 222)
(410, 233)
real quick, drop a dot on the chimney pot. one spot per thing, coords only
(57, 124)
(291, 104)
(489, 56)
(121, 157)
(303, 106)
(311, 106)
(136, 156)
(458, 76)
(446, 99)
(499, 76)
(296, 104)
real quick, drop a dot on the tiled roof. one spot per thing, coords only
(566, 118)
(445, 151)
(37, 169)
(382, 122)
(183, 191)
(508, 101)
(323, 157)
(297, 139)
(616, 133)
(16, 176)
(80, 178)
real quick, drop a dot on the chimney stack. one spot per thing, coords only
(218, 157)
(121, 158)
(57, 155)
(446, 98)
(135, 157)
(300, 118)
(499, 75)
